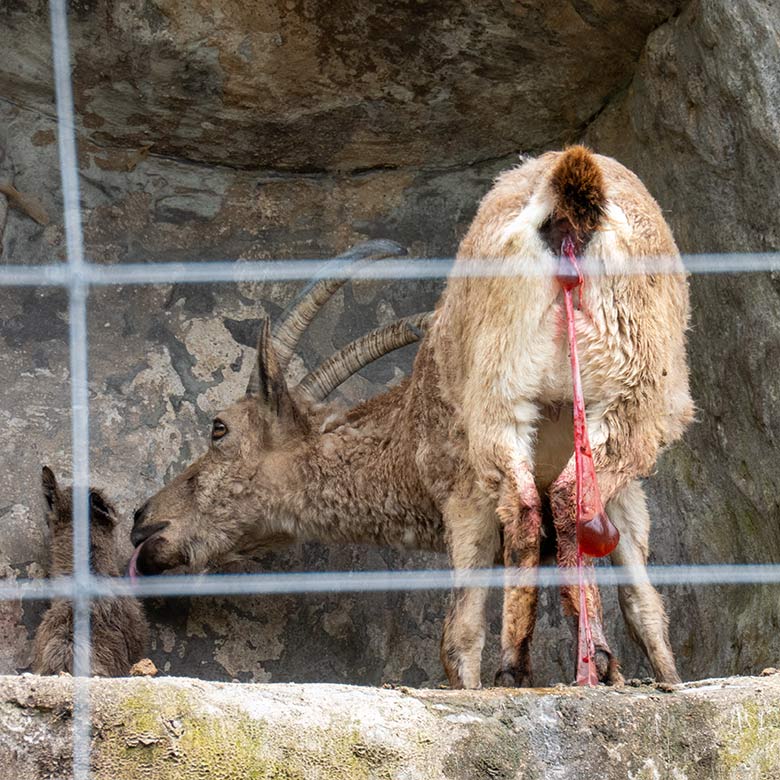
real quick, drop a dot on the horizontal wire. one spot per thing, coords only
(388, 269)
(373, 581)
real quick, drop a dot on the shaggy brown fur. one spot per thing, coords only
(463, 451)
(119, 628)
(578, 188)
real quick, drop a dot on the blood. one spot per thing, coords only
(596, 535)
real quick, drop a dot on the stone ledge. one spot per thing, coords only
(182, 728)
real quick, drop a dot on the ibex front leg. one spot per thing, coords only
(519, 509)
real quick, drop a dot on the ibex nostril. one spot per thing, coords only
(140, 535)
(139, 513)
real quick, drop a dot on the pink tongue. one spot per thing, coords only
(132, 568)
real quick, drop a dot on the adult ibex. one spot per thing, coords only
(459, 454)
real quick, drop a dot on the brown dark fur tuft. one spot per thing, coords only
(119, 628)
(578, 185)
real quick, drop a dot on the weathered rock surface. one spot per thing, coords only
(193, 146)
(154, 208)
(700, 124)
(182, 729)
(321, 86)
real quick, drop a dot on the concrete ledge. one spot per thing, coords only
(180, 728)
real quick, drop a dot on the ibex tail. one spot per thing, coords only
(579, 191)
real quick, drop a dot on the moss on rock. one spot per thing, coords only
(186, 729)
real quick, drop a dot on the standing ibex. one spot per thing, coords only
(460, 452)
(502, 361)
(119, 628)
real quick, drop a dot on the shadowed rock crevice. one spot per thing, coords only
(335, 86)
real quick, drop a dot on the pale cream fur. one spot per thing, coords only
(502, 355)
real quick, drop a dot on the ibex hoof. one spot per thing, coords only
(512, 679)
(608, 668)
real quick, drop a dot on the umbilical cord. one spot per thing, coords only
(596, 535)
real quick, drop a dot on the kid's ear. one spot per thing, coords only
(51, 491)
(101, 511)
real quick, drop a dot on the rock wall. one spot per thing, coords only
(296, 129)
(700, 124)
(316, 86)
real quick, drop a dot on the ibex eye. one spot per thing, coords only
(218, 430)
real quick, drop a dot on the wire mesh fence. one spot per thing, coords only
(77, 275)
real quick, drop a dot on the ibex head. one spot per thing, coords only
(59, 518)
(241, 495)
(227, 501)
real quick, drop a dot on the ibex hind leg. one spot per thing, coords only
(640, 603)
(472, 539)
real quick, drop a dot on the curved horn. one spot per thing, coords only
(318, 384)
(298, 314)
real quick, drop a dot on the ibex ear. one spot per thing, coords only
(100, 511)
(51, 491)
(268, 381)
(271, 384)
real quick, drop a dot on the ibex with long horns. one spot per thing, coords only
(476, 445)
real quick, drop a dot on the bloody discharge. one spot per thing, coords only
(596, 535)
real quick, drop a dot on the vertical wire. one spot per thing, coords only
(77, 331)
